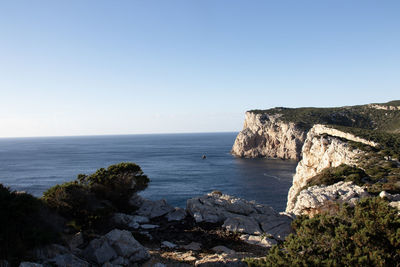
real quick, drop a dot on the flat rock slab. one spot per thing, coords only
(239, 215)
(153, 209)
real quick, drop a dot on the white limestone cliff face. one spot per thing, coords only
(266, 135)
(324, 147)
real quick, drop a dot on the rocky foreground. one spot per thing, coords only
(213, 230)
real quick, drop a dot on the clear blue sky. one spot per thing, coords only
(122, 67)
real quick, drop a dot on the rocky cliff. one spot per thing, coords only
(323, 138)
(324, 148)
(266, 135)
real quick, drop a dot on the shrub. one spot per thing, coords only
(117, 183)
(90, 199)
(366, 235)
(22, 226)
(336, 174)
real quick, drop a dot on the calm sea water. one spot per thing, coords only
(173, 162)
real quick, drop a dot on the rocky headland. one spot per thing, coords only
(363, 137)
(346, 190)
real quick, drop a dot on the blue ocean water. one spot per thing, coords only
(173, 162)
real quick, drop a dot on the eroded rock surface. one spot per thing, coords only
(318, 199)
(239, 215)
(320, 151)
(153, 209)
(266, 135)
(117, 245)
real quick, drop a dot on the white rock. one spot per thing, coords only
(223, 260)
(242, 224)
(153, 209)
(30, 264)
(239, 215)
(316, 199)
(223, 249)
(390, 197)
(136, 200)
(323, 148)
(68, 260)
(176, 215)
(50, 251)
(195, 246)
(277, 226)
(100, 251)
(395, 204)
(120, 261)
(258, 240)
(168, 244)
(76, 241)
(125, 244)
(127, 220)
(267, 136)
(149, 226)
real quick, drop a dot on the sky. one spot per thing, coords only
(130, 67)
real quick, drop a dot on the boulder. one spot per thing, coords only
(321, 198)
(220, 260)
(149, 226)
(153, 209)
(223, 249)
(130, 221)
(29, 264)
(242, 224)
(120, 261)
(75, 241)
(277, 226)
(168, 244)
(68, 260)
(136, 200)
(116, 247)
(126, 245)
(177, 214)
(100, 251)
(49, 252)
(192, 246)
(239, 215)
(258, 240)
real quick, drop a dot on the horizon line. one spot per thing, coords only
(99, 135)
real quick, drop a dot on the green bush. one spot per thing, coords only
(22, 225)
(336, 174)
(366, 235)
(117, 183)
(90, 199)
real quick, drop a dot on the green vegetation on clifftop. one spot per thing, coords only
(366, 235)
(363, 116)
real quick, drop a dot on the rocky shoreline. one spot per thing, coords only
(214, 230)
(337, 170)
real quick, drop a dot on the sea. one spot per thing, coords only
(173, 162)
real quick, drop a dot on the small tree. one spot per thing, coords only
(91, 198)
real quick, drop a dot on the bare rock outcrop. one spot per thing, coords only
(320, 198)
(266, 135)
(239, 215)
(118, 247)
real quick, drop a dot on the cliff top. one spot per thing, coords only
(384, 116)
